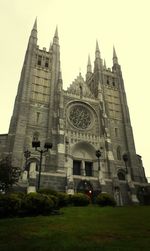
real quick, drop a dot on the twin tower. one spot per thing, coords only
(87, 126)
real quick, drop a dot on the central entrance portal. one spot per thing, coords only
(85, 187)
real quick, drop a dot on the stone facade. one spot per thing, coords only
(92, 114)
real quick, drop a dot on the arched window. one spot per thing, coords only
(88, 168)
(119, 153)
(121, 175)
(116, 132)
(39, 60)
(76, 167)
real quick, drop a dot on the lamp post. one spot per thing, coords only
(125, 159)
(36, 144)
(27, 155)
(98, 155)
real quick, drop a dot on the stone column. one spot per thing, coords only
(101, 178)
(32, 178)
(69, 174)
(83, 173)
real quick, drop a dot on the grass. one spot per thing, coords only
(79, 228)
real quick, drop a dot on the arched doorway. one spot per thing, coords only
(85, 187)
(121, 175)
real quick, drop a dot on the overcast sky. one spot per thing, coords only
(123, 23)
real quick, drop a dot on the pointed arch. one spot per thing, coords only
(121, 174)
(83, 149)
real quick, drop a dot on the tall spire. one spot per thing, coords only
(115, 59)
(35, 24)
(34, 29)
(89, 66)
(98, 61)
(56, 38)
(32, 41)
(89, 60)
(97, 46)
(56, 32)
(98, 68)
(97, 51)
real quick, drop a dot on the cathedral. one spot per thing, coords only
(74, 140)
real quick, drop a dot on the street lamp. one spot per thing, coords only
(36, 144)
(98, 155)
(27, 155)
(125, 159)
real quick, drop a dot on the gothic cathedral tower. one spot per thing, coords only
(88, 125)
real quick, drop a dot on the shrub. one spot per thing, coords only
(32, 204)
(48, 191)
(60, 199)
(35, 204)
(80, 199)
(20, 195)
(105, 199)
(55, 201)
(10, 205)
(63, 199)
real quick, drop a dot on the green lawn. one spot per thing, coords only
(79, 228)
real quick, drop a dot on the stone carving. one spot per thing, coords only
(80, 117)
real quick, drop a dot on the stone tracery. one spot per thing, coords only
(80, 117)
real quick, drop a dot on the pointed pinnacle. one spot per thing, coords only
(97, 46)
(114, 52)
(89, 66)
(56, 39)
(115, 59)
(56, 32)
(35, 24)
(97, 51)
(34, 29)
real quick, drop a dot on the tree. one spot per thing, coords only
(9, 175)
